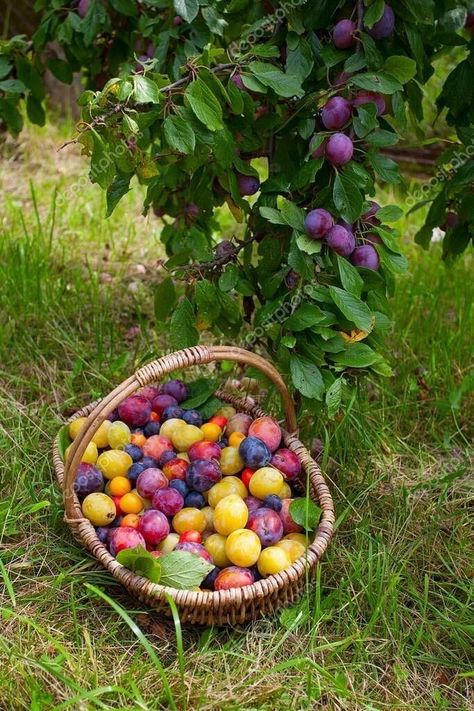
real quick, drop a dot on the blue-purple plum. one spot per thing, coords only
(209, 580)
(247, 184)
(267, 524)
(384, 27)
(272, 501)
(254, 452)
(83, 7)
(318, 223)
(180, 485)
(177, 389)
(339, 149)
(102, 533)
(343, 34)
(194, 500)
(134, 451)
(341, 240)
(172, 412)
(149, 462)
(161, 402)
(135, 470)
(202, 474)
(166, 457)
(192, 417)
(365, 256)
(151, 428)
(89, 480)
(336, 113)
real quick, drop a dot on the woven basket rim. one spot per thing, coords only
(196, 597)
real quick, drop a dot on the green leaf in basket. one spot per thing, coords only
(210, 407)
(63, 441)
(305, 513)
(183, 570)
(141, 562)
(200, 391)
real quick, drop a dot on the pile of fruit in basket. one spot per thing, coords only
(157, 479)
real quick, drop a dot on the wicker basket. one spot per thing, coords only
(206, 607)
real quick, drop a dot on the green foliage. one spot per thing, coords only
(182, 99)
(178, 569)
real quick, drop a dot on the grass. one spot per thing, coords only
(389, 623)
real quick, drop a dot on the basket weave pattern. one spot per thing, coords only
(226, 606)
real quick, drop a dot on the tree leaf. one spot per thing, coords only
(384, 83)
(116, 191)
(165, 299)
(179, 134)
(183, 331)
(305, 316)
(352, 307)
(350, 278)
(306, 377)
(400, 67)
(187, 9)
(357, 355)
(145, 90)
(207, 301)
(204, 105)
(347, 197)
(286, 85)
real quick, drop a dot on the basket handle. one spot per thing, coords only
(150, 373)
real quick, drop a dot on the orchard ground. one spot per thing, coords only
(386, 626)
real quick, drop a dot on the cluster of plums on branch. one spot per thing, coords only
(157, 475)
(344, 34)
(345, 239)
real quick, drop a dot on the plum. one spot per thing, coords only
(210, 579)
(288, 463)
(177, 389)
(370, 97)
(252, 503)
(177, 20)
(161, 402)
(272, 501)
(195, 500)
(191, 210)
(154, 526)
(373, 238)
(384, 27)
(289, 526)
(365, 256)
(135, 470)
(320, 151)
(267, 524)
(88, 480)
(134, 451)
(180, 485)
(240, 422)
(135, 411)
(233, 577)
(195, 549)
(124, 537)
(237, 81)
(175, 468)
(341, 240)
(336, 113)
(247, 184)
(172, 412)
(149, 391)
(254, 452)
(204, 450)
(268, 430)
(155, 446)
(370, 215)
(318, 223)
(202, 474)
(83, 7)
(192, 417)
(339, 149)
(168, 501)
(149, 481)
(151, 428)
(343, 34)
(451, 220)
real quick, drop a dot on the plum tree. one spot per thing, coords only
(282, 120)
